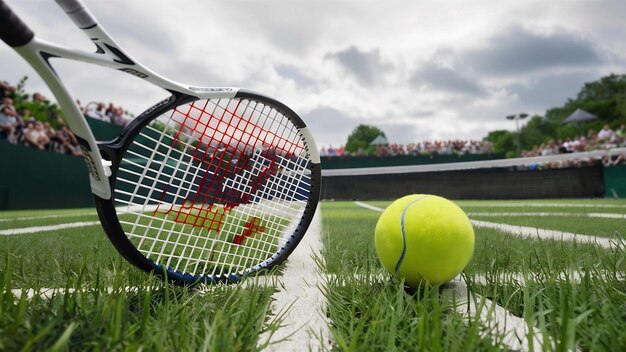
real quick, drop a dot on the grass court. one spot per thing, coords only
(66, 288)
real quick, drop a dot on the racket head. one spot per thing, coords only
(211, 190)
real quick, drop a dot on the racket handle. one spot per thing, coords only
(78, 12)
(12, 30)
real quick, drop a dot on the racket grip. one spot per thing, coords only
(13, 31)
(78, 12)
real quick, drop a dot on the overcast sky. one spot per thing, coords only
(419, 70)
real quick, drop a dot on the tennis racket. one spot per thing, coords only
(208, 185)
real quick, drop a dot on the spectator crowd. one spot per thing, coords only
(606, 138)
(428, 148)
(111, 113)
(20, 125)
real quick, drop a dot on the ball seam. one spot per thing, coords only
(404, 211)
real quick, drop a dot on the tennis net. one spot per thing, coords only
(554, 176)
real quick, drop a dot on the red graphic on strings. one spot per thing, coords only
(251, 228)
(232, 157)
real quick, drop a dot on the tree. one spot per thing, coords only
(42, 111)
(606, 88)
(605, 98)
(535, 132)
(361, 137)
(503, 141)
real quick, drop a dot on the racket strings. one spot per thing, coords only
(273, 184)
(215, 187)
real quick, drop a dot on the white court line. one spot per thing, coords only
(544, 214)
(47, 293)
(607, 215)
(370, 207)
(513, 329)
(36, 229)
(552, 205)
(305, 326)
(47, 217)
(534, 232)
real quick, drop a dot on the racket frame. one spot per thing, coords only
(115, 150)
(102, 170)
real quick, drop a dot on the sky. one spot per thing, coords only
(418, 70)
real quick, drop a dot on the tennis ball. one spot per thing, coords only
(424, 237)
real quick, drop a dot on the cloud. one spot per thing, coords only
(403, 132)
(518, 51)
(367, 67)
(146, 35)
(285, 27)
(550, 90)
(294, 73)
(341, 63)
(329, 125)
(446, 79)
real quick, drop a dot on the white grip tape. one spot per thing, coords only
(78, 13)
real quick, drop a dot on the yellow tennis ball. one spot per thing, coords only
(424, 237)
